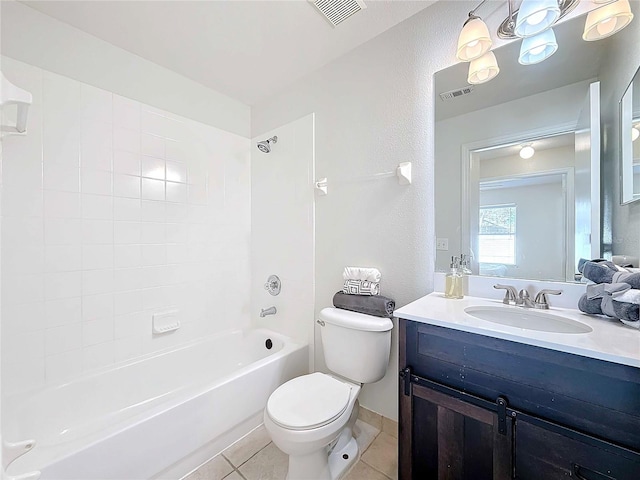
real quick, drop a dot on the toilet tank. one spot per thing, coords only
(356, 346)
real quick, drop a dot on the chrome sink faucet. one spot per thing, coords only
(524, 299)
(541, 301)
(510, 294)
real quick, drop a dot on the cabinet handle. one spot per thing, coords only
(579, 472)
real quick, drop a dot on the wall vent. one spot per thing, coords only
(337, 11)
(456, 93)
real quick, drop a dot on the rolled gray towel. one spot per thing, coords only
(628, 313)
(375, 305)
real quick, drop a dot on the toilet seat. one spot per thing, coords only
(309, 401)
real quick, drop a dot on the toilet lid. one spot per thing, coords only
(309, 401)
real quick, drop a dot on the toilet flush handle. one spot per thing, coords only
(320, 322)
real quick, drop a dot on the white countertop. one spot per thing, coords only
(610, 340)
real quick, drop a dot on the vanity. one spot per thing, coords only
(487, 400)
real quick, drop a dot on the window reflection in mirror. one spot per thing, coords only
(630, 142)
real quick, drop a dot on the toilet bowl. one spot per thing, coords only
(311, 418)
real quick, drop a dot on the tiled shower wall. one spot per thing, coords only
(112, 211)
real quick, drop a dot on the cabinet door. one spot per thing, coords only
(548, 451)
(451, 439)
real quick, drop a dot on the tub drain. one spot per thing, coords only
(268, 344)
(345, 456)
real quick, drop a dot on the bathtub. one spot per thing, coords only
(156, 417)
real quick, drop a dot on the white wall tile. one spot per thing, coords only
(125, 139)
(63, 366)
(127, 302)
(126, 186)
(62, 231)
(61, 204)
(97, 356)
(152, 189)
(95, 104)
(97, 281)
(153, 168)
(126, 113)
(152, 145)
(176, 172)
(96, 307)
(97, 331)
(96, 182)
(126, 209)
(62, 258)
(64, 311)
(86, 240)
(57, 177)
(97, 232)
(95, 257)
(176, 192)
(62, 285)
(126, 233)
(126, 162)
(62, 339)
(127, 348)
(98, 207)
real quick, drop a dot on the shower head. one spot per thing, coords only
(265, 145)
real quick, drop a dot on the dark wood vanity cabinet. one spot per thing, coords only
(476, 407)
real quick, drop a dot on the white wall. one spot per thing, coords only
(114, 210)
(540, 229)
(617, 72)
(40, 40)
(562, 108)
(282, 229)
(374, 109)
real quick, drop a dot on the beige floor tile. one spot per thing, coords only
(364, 435)
(268, 464)
(390, 427)
(215, 469)
(233, 476)
(372, 418)
(383, 455)
(248, 446)
(362, 471)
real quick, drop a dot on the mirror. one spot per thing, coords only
(630, 142)
(532, 217)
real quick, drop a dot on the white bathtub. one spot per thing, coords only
(141, 419)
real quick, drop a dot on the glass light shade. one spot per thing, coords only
(474, 40)
(483, 69)
(607, 20)
(635, 133)
(527, 152)
(536, 49)
(536, 16)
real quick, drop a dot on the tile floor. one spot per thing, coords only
(255, 457)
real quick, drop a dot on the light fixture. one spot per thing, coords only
(607, 20)
(635, 133)
(474, 40)
(483, 69)
(536, 49)
(527, 151)
(535, 16)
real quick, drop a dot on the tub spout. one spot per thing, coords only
(268, 311)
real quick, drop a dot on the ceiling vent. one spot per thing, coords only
(337, 11)
(456, 93)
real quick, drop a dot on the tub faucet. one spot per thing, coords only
(268, 311)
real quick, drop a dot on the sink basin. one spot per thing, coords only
(528, 319)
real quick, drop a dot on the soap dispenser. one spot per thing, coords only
(453, 281)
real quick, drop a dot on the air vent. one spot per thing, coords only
(337, 11)
(456, 93)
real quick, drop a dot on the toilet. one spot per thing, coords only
(311, 417)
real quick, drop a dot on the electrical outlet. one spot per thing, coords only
(442, 244)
